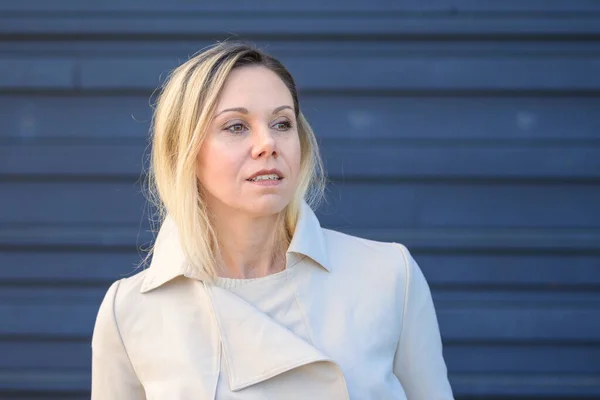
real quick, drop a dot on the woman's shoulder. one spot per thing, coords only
(128, 286)
(122, 291)
(368, 255)
(115, 305)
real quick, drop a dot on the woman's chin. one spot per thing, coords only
(267, 206)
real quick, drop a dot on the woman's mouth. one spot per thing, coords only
(266, 180)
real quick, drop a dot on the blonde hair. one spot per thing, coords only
(182, 114)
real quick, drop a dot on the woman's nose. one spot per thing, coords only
(264, 144)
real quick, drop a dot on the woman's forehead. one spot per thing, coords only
(254, 87)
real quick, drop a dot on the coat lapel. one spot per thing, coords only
(257, 348)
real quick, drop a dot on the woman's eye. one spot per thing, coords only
(283, 126)
(240, 128)
(236, 128)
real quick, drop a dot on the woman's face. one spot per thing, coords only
(254, 129)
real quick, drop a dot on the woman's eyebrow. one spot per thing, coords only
(275, 111)
(243, 110)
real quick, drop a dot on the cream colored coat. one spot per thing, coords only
(367, 307)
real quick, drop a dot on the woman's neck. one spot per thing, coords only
(249, 246)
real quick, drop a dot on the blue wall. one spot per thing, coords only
(468, 130)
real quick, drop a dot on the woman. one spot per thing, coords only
(246, 296)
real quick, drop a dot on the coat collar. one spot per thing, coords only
(169, 262)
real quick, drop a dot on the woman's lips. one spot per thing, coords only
(267, 182)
